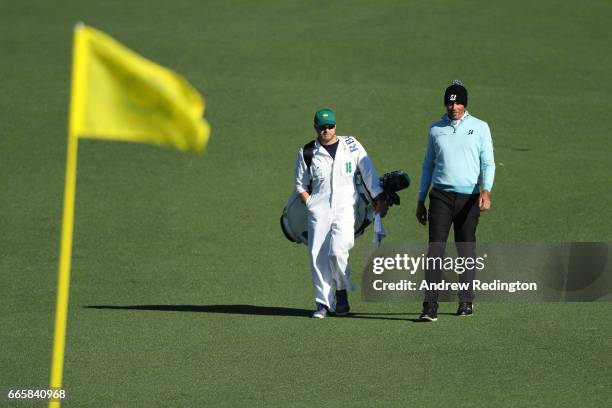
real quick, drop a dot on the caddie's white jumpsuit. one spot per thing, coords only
(331, 211)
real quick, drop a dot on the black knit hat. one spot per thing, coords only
(456, 93)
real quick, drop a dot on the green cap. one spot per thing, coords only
(324, 116)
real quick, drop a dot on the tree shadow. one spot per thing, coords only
(249, 310)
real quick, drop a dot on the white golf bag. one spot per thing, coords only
(294, 221)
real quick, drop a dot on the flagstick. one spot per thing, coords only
(63, 279)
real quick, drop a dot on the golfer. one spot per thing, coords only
(459, 168)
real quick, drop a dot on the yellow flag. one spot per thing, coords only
(119, 95)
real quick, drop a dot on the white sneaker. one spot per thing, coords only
(321, 312)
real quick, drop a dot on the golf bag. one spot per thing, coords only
(294, 221)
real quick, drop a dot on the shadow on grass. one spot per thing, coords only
(229, 309)
(250, 310)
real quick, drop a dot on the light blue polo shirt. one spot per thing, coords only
(459, 157)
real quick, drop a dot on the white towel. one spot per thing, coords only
(379, 230)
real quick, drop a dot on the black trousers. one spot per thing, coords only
(462, 212)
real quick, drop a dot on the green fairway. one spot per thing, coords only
(185, 292)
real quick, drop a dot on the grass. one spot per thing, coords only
(166, 230)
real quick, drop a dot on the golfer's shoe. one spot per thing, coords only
(465, 309)
(342, 305)
(430, 312)
(321, 312)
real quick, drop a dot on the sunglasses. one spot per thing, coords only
(323, 127)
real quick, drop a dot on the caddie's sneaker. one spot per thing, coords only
(321, 312)
(465, 309)
(430, 312)
(342, 305)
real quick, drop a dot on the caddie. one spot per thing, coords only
(325, 181)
